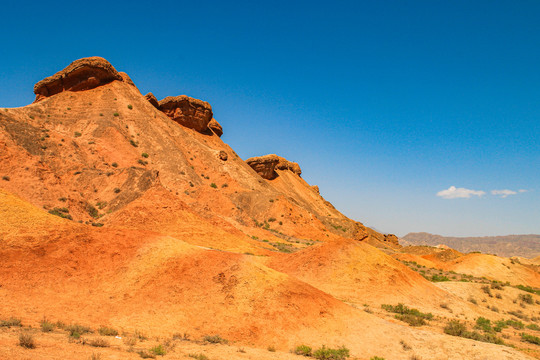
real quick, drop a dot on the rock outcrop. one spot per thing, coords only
(392, 239)
(267, 165)
(215, 127)
(186, 111)
(82, 74)
(152, 99)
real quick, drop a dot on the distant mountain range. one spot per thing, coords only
(509, 245)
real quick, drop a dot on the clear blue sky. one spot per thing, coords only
(383, 103)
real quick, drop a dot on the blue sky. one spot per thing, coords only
(384, 104)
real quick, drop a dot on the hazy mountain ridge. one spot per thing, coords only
(507, 245)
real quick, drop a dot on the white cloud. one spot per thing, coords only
(505, 193)
(522, 190)
(454, 193)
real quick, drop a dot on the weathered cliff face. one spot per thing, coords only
(215, 127)
(82, 74)
(267, 165)
(187, 111)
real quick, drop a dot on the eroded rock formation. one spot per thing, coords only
(215, 127)
(82, 74)
(187, 111)
(267, 165)
(152, 99)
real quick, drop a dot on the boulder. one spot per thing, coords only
(152, 99)
(267, 165)
(189, 112)
(215, 127)
(315, 188)
(82, 74)
(223, 155)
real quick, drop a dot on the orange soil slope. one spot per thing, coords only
(160, 285)
(494, 268)
(359, 273)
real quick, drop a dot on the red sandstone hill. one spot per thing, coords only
(118, 209)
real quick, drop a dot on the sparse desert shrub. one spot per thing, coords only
(439, 278)
(158, 350)
(213, 185)
(199, 356)
(530, 338)
(484, 324)
(92, 211)
(376, 358)
(271, 348)
(487, 290)
(116, 114)
(215, 339)
(533, 327)
(455, 328)
(5, 178)
(325, 353)
(130, 341)
(77, 134)
(444, 306)
(142, 162)
(11, 322)
(526, 298)
(415, 357)
(146, 355)
(130, 107)
(473, 300)
(140, 335)
(528, 289)
(117, 190)
(95, 356)
(62, 212)
(516, 324)
(26, 340)
(114, 164)
(133, 143)
(496, 285)
(145, 155)
(76, 330)
(498, 296)
(46, 326)
(98, 342)
(412, 320)
(285, 248)
(303, 350)
(405, 346)
(107, 331)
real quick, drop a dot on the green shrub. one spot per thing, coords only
(5, 178)
(530, 338)
(133, 143)
(411, 319)
(403, 309)
(158, 350)
(77, 134)
(528, 289)
(26, 340)
(92, 211)
(114, 164)
(213, 185)
(303, 350)
(483, 324)
(130, 107)
(533, 327)
(325, 353)
(62, 212)
(145, 155)
(376, 358)
(116, 114)
(439, 278)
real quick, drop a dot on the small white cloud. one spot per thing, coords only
(454, 193)
(503, 193)
(522, 190)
